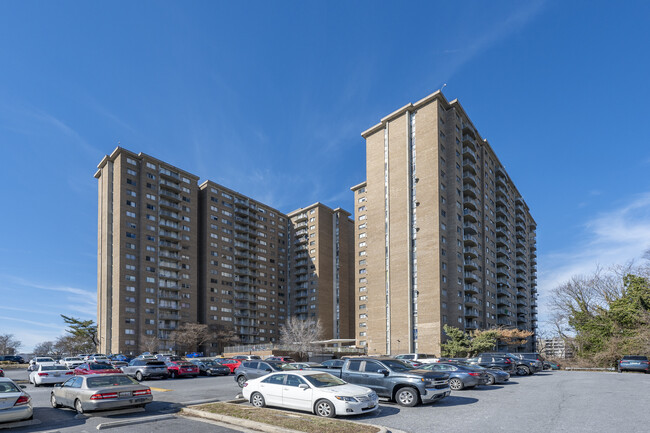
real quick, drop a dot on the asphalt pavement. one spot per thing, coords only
(547, 402)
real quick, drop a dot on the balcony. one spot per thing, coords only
(501, 181)
(470, 227)
(505, 322)
(503, 282)
(470, 215)
(169, 214)
(469, 153)
(169, 316)
(470, 240)
(470, 202)
(469, 178)
(501, 200)
(470, 264)
(167, 203)
(471, 300)
(469, 288)
(300, 217)
(502, 291)
(301, 240)
(470, 190)
(501, 211)
(469, 251)
(471, 312)
(471, 277)
(164, 284)
(168, 295)
(471, 324)
(169, 194)
(468, 165)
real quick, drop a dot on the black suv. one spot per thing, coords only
(499, 362)
(12, 358)
(254, 369)
(523, 367)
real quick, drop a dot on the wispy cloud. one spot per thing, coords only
(500, 30)
(613, 237)
(34, 285)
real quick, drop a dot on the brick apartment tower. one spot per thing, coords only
(322, 269)
(442, 234)
(171, 251)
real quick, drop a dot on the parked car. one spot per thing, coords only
(15, 403)
(494, 362)
(120, 357)
(523, 366)
(333, 363)
(538, 361)
(71, 362)
(99, 392)
(169, 358)
(145, 369)
(101, 359)
(395, 379)
(312, 391)
(12, 358)
(181, 369)
(461, 376)
(41, 360)
(553, 365)
(634, 363)
(246, 357)
(494, 375)
(147, 356)
(96, 368)
(420, 358)
(232, 364)
(118, 364)
(211, 368)
(194, 355)
(286, 359)
(2, 373)
(254, 369)
(305, 365)
(49, 374)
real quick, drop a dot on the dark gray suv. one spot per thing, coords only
(254, 369)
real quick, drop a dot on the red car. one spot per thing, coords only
(96, 368)
(2, 373)
(232, 364)
(182, 368)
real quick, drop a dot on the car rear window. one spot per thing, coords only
(104, 381)
(53, 367)
(156, 364)
(8, 387)
(99, 366)
(635, 358)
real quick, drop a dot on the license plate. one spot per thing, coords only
(138, 400)
(125, 394)
(57, 374)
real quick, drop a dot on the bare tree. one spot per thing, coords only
(44, 348)
(8, 344)
(301, 334)
(190, 336)
(150, 343)
(513, 336)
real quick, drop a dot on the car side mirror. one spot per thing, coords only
(269, 370)
(384, 372)
(303, 386)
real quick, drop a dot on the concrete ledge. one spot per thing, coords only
(260, 425)
(122, 423)
(109, 412)
(589, 369)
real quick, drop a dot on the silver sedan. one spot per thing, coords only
(15, 404)
(100, 392)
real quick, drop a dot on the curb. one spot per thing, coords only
(113, 424)
(17, 424)
(260, 425)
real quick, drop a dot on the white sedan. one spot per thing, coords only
(48, 374)
(71, 362)
(313, 391)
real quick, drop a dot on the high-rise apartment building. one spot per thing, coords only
(442, 234)
(321, 268)
(171, 251)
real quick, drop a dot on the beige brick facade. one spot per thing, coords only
(442, 234)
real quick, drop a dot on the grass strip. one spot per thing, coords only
(290, 420)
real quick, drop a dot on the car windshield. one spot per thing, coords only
(73, 359)
(99, 366)
(44, 360)
(397, 365)
(324, 380)
(104, 381)
(279, 366)
(53, 367)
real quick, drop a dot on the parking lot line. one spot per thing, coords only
(153, 388)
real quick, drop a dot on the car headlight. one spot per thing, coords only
(345, 398)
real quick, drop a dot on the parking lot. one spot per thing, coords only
(556, 401)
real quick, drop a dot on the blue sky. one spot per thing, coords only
(270, 98)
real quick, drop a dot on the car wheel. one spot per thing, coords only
(53, 401)
(138, 376)
(407, 397)
(257, 400)
(522, 370)
(491, 380)
(325, 409)
(241, 380)
(78, 407)
(36, 385)
(455, 384)
(173, 375)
